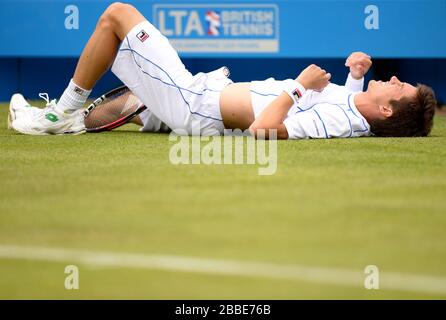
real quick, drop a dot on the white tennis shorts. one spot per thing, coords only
(150, 67)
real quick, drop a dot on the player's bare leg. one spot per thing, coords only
(100, 51)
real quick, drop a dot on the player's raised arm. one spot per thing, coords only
(359, 64)
(313, 77)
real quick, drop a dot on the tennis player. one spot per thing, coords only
(208, 103)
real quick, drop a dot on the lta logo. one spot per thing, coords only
(214, 24)
(214, 28)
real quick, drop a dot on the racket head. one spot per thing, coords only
(112, 110)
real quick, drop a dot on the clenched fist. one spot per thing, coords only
(314, 78)
(359, 64)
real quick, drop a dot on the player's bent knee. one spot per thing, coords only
(118, 11)
(121, 17)
(109, 16)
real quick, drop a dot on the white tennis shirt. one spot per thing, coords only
(330, 113)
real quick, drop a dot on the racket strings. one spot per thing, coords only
(112, 109)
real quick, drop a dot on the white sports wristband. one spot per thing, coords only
(294, 89)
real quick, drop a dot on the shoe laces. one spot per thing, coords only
(49, 104)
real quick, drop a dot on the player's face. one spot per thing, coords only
(383, 92)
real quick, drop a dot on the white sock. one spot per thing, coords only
(72, 99)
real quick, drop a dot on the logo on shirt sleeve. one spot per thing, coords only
(297, 94)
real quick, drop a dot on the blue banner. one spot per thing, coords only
(382, 28)
(217, 28)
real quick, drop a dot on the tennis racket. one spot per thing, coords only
(112, 110)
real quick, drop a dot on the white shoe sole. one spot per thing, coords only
(19, 127)
(28, 131)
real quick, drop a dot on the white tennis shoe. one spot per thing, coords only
(35, 121)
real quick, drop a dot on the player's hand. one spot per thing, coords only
(359, 63)
(314, 78)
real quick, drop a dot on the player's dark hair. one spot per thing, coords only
(411, 117)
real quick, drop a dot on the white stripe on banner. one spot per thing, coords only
(323, 275)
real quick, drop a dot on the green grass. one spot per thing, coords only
(341, 203)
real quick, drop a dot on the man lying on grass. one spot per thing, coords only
(207, 103)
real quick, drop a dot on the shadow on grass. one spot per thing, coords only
(127, 132)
